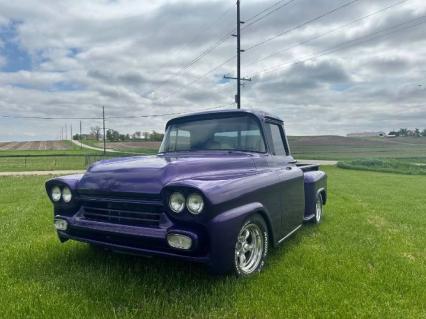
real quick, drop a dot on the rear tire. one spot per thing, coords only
(319, 209)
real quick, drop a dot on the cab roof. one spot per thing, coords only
(261, 115)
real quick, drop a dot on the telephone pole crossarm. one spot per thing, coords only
(234, 78)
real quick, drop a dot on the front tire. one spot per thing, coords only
(251, 247)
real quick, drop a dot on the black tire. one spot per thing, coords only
(248, 262)
(319, 209)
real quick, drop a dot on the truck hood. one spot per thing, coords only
(149, 174)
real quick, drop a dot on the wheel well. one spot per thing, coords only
(323, 194)
(262, 214)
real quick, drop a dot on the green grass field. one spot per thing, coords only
(348, 148)
(410, 166)
(127, 147)
(49, 163)
(366, 260)
(73, 158)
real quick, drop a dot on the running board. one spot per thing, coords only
(289, 234)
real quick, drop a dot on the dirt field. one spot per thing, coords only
(35, 146)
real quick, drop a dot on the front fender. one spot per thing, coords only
(72, 182)
(224, 228)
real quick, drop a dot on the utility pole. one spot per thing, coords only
(81, 141)
(66, 131)
(71, 132)
(103, 121)
(239, 51)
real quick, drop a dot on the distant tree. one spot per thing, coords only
(112, 135)
(76, 137)
(96, 131)
(423, 133)
(155, 136)
(403, 132)
(416, 132)
(146, 135)
(396, 133)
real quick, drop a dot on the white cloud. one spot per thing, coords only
(128, 56)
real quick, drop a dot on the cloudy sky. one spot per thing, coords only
(324, 66)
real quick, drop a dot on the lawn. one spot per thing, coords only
(367, 260)
(410, 166)
(140, 147)
(49, 162)
(73, 158)
(347, 148)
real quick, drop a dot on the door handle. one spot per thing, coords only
(289, 168)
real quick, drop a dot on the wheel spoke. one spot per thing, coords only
(242, 259)
(246, 234)
(249, 247)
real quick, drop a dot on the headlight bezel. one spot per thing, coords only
(186, 213)
(67, 201)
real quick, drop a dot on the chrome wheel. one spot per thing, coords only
(318, 209)
(249, 248)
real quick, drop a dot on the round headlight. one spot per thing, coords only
(177, 202)
(195, 204)
(55, 193)
(66, 194)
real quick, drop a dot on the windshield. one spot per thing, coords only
(240, 133)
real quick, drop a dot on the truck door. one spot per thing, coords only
(289, 177)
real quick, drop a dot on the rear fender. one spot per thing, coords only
(315, 183)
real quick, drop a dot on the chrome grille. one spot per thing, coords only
(122, 208)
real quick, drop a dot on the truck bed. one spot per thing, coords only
(308, 167)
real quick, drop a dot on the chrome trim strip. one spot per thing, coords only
(289, 234)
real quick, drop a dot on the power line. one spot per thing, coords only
(159, 115)
(211, 26)
(99, 118)
(204, 53)
(208, 51)
(218, 66)
(301, 25)
(332, 31)
(267, 12)
(351, 43)
(223, 39)
(48, 118)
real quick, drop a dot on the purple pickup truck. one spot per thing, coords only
(222, 190)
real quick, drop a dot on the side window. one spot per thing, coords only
(278, 140)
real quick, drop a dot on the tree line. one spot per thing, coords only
(116, 136)
(407, 132)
